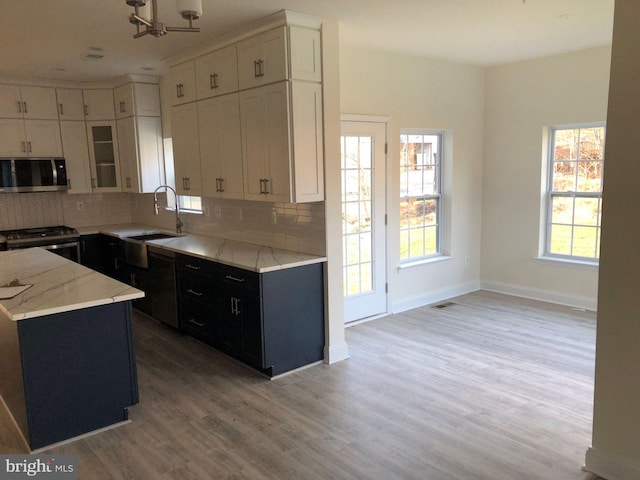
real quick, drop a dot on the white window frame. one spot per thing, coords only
(550, 194)
(437, 196)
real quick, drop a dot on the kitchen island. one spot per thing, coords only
(67, 363)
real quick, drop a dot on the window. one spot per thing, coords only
(190, 204)
(420, 194)
(574, 192)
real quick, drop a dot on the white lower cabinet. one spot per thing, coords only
(186, 149)
(220, 147)
(282, 142)
(30, 138)
(141, 154)
(103, 155)
(76, 154)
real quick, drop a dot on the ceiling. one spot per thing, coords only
(51, 39)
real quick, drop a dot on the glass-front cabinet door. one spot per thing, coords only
(103, 154)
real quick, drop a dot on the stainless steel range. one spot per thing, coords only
(64, 241)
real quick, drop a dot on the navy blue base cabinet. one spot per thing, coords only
(70, 373)
(271, 321)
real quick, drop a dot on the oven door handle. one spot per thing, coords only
(59, 245)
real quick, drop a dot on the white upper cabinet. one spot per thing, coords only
(186, 149)
(98, 104)
(141, 153)
(282, 142)
(35, 103)
(30, 138)
(182, 83)
(103, 156)
(137, 99)
(263, 59)
(220, 147)
(305, 60)
(76, 155)
(217, 73)
(265, 142)
(70, 104)
(123, 100)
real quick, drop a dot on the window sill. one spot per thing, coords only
(185, 210)
(569, 261)
(424, 261)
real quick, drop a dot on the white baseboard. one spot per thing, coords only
(610, 467)
(435, 296)
(336, 353)
(588, 303)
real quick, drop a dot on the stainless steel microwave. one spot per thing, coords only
(33, 175)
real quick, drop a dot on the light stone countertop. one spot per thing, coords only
(247, 256)
(59, 285)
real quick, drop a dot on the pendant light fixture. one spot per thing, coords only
(145, 17)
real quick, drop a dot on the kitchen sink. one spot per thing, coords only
(135, 248)
(152, 236)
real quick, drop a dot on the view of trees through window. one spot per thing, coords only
(420, 172)
(575, 192)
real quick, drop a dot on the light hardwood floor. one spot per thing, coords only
(492, 387)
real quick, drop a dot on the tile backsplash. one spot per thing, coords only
(297, 227)
(25, 210)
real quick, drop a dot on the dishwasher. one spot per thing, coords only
(162, 285)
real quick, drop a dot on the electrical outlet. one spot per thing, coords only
(80, 206)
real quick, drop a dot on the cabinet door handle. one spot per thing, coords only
(191, 320)
(60, 109)
(69, 183)
(262, 186)
(86, 110)
(133, 279)
(25, 107)
(193, 292)
(29, 147)
(193, 267)
(237, 305)
(93, 183)
(122, 108)
(213, 81)
(235, 279)
(180, 90)
(188, 183)
(258, 68)
(19, 106)
(266, 186)
(24, 147)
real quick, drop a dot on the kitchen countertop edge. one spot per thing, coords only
(256, 258)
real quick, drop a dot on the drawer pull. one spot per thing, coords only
(191, 320)
(235, 279)
(193, 292)
(193, 267)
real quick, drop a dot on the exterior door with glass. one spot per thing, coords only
(363, 219)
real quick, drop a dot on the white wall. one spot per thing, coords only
(420, 93)
(521, 100)
(615, 453)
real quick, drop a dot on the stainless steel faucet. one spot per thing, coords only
(179, 223)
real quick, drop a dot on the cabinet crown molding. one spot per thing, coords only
(278, 19)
